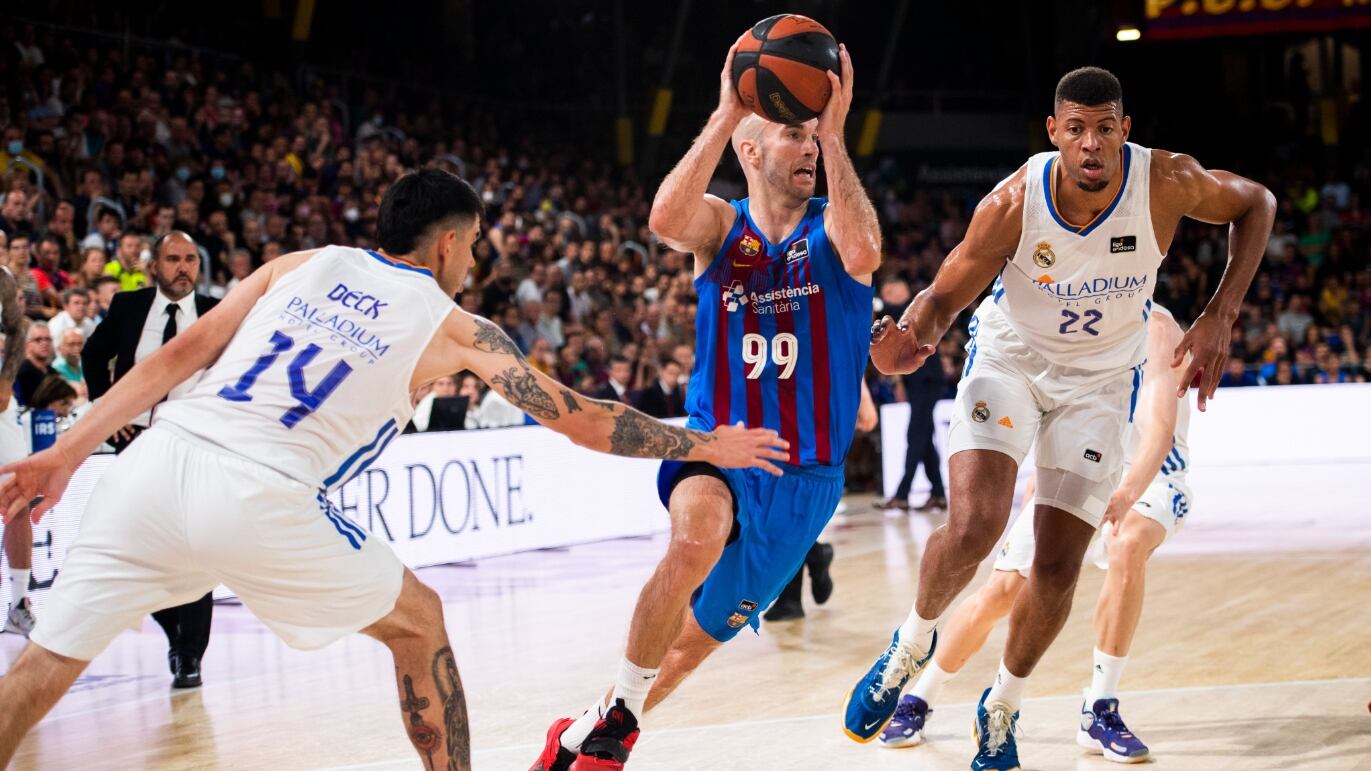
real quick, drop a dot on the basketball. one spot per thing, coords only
(781, 68)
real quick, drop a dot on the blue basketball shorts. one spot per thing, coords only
(776, 521)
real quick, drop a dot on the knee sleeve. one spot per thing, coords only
(1084, 497)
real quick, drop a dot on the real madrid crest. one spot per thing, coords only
(1043, 256)
(980, 413)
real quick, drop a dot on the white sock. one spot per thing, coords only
(917, 631)
(632, 686)
(1105, 682)
(1008, 688)
(931, 682)
(19, 585)
(577, 732)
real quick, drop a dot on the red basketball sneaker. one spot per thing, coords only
(609, 742)
(555, 757)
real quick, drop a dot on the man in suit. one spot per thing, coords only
(616, 389)
(665, 397)
(138, 323)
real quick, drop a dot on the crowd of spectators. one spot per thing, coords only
(105, 149)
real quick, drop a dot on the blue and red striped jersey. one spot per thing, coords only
(781, 338)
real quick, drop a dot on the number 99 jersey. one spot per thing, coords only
(782, 338)
(1079, 294)
(316, 381)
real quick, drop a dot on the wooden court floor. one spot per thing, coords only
(1252, 659)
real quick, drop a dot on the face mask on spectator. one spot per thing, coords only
(226, 200)
(16, 147)
(351, 214)
(183, 173)
(217, 172)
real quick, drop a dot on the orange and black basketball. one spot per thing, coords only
(780, 68)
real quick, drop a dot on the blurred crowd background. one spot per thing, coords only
(111, 140)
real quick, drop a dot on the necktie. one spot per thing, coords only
(169, 331)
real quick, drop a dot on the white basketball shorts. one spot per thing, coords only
(1163, 502)
(173, 516)
(1009, 395)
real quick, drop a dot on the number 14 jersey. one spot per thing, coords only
(316, 380)
(1080, 293)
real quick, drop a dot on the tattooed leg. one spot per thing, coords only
(432, 702)
(29, 690)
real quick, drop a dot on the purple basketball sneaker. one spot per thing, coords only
(1102, 730)
(906, 729)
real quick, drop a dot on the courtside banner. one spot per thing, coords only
(448, 497)
(1192, 19)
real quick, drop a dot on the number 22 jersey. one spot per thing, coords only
(316, 380)
(1080, 294)
(782, 337)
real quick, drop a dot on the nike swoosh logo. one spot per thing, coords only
(737, 264)
(869, 726)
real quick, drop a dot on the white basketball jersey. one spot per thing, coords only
(316, 381)
(1077, 293)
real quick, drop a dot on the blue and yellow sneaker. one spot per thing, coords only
(994, 729)
(873, 700)
(1103, 731)
(906, 729)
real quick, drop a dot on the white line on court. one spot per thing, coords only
(834, 716)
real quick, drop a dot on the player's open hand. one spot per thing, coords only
(39, 479)
(740, 447)
(1207, 343)
(894, 350)
(834, 116)
(730, 104)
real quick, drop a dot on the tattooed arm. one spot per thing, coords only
(471, 342)
(850, 219)
(15, 326)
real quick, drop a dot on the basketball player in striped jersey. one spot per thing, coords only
(784, 280)
(308, 367)
(1155, 500)
(1071, 243)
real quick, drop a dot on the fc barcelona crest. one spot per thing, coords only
(749, 245)
(1043, 256)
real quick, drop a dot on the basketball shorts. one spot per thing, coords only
(776, 521)
(14, 440)
(173, 516)
(1162, 502)
(1009, 395)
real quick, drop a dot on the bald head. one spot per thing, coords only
(778, 159)
(749, 130)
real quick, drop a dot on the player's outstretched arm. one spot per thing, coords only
(1155, 418)
(1216, 197)
(45, 474)
(471, 342)
(850, 218)
(683, 216)
(991, 238)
